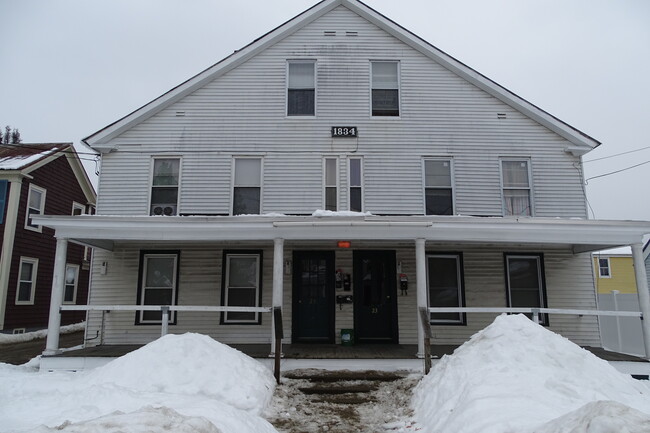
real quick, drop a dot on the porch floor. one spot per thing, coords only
(326, 351)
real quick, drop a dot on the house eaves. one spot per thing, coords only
(581, 142)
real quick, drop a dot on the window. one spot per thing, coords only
(242, 285)
(438, 192)
(356, 185)
(26, 281)
(164, 186)
(525, 282)
(78, 209)
(158, 284)
(3, 199)
(331, 184)
(301, 88)
(71, 278)
(604, 271)
(445, 282)
(35, 206)
(385, 88)
(516, 188)
(247, 186)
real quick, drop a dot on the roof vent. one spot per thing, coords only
(501, 115)
(180, 114)
(330, 32)
(351, 33)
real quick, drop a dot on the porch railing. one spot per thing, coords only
(535, 312)
(278, 332)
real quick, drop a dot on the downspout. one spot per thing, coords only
(6, 254)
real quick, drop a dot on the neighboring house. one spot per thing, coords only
(38, 179)
(616, 289)
(444, 190)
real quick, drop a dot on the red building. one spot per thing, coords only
(38, 179)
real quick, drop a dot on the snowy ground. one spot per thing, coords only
(514, 376)
(28, 336)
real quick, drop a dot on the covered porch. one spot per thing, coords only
(417, 234)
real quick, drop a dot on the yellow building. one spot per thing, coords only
(614, 272)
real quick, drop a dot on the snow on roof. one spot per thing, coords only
(19, 156)
(516, 376)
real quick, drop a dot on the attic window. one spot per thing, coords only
(351, 33)
(329, 33)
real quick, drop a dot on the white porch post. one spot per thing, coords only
(642, 293)
(58, 286)
(278, 282)
(421, 278)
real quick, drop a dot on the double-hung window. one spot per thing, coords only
(247, 186)
(438, 190)
(604, 270)
(515, 179)
(385, 88)
(3, 198)
(71, 279)
(242, 285)
(445, 283)
(164, 186)
(26, 281)
(35, 206)
(356, 185)
(330, 182)
(158, 284)
(301, 88)
(525, 282)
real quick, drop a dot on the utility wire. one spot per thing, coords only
(617, 171)
(618, 154)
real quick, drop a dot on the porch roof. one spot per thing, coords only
(579, 234)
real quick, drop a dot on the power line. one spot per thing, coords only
(618, 154)
(618, 171)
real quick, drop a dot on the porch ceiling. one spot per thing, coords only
(580, 235)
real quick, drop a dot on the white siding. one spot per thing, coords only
(243, 112)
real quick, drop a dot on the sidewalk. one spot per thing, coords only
(20, 353)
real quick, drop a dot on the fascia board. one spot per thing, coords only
(100, 140)
(556, 125)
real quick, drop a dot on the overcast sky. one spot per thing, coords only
(71, 67)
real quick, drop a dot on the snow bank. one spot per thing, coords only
(28, 336)
(192, 364)
(175, 380)
(514, 376)
(599, 417)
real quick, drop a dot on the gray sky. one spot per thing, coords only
(71, 67)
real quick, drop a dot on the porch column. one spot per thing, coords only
(58, 286)
(421, 280)
(278, 282)
(642, 293)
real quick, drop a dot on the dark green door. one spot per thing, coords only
(375, 297)
(313, 297)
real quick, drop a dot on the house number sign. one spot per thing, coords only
(344, 131)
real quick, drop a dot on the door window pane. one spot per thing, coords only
(159, 285)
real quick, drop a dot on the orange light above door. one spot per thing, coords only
(344, 244)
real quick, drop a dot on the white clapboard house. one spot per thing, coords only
(347, 171)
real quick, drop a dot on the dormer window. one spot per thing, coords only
(301, 88)
(164, 186)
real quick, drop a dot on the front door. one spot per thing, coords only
(313, 297)
(375, 297)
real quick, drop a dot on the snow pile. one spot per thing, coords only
(178, 379)
(192, 364)
(28, 336)
(514, 376)
(599, 417)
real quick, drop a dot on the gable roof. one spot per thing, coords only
(24, 158)
(581, 142)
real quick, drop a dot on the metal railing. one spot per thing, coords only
(278, 332)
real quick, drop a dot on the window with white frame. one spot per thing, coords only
(71, 280)
(356, 185)
(301, 88)
(445, 283)
(242, 285)
(385, 88)
(78, 209)
(35, 206)
(604, 270)
(331, 183)
(438, 190)
(515, 178)
(525, 282)
(164, 186)
(247, 189)
(27, 273)
(158, 284)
